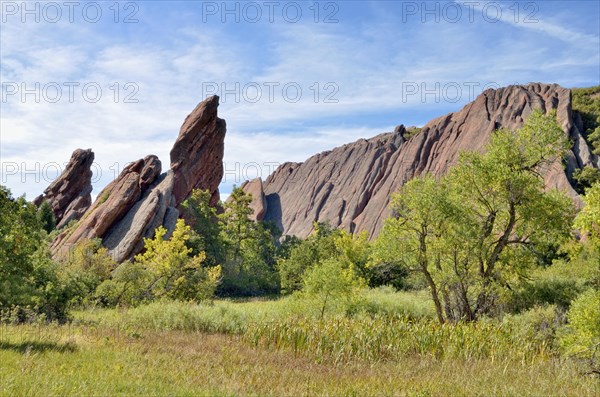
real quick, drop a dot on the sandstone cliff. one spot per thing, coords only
(350, 186)
(69, 195)
(141, 198)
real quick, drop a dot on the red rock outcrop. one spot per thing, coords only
(69, 195)
(350, 186)
(141, 199)
(197, 156)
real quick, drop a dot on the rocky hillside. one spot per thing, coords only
(350, 186)
(143, 198)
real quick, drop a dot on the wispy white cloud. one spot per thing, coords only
(371, 63)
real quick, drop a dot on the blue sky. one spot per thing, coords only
(338, 71)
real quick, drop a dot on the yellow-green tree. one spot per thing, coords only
(588, 220)
(174, 273)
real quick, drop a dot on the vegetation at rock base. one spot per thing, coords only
(475, 231)
(481, 271)
(586, 102)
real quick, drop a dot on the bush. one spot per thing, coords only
(86, 267)
(582, 336)
(165, 269)
(317, 247)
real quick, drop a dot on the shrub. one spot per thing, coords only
(582, 336)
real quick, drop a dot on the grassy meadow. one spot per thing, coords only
(382, 343)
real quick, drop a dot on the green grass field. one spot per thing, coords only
(282, 348)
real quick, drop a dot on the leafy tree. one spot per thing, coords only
(354, 251)
(206, 230)
(46, 217)
(249, 266)
(411, 236)
(29, 279)
(481, 227)
(330, 281)
(586, 102)
(588, 220)
(586, 177)
(582, 337)
(127, 287)
(20, 236)
(319, 246)
(175, 274)
(87, 266)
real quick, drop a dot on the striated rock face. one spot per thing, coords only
(350, 186)
(197, 156)
(70, 194)
(141, 199)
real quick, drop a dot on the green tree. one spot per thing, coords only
(29, 279)
(412, 236)
(174, 273)
(206, 229)
(586, 177)
(46, 217)
(249, 266)
(128, 286)
(330, 281)
(485, 224)
(20, 237)
(588, 219)
(85, 268)
(586, 102)
(319, 246)
(582, 336)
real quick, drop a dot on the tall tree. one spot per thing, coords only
(474, 231)
(249, 266)
(20, 237)
(205, 235)
(46, 217)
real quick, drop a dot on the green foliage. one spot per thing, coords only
(249, 265)
(127, 287)
(479, 229)
(246, 250)
(46, 217)
(175, 274)
(586, 102)
(588, 219)
(318, 247)
(30, 281)
(582, 337)
(86, 267)
(376, 339)
(586, 177)
(20, 236)
(560, 283)
(104, 197)
(412, 131)
(330, 281)
(205, 236)
(165, 269)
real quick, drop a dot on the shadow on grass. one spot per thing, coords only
(38, 347)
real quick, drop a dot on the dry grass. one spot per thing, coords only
(58, 361)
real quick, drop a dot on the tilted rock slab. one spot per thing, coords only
(197, 156)
(141, 199)
(69, 195)
(350, 186)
